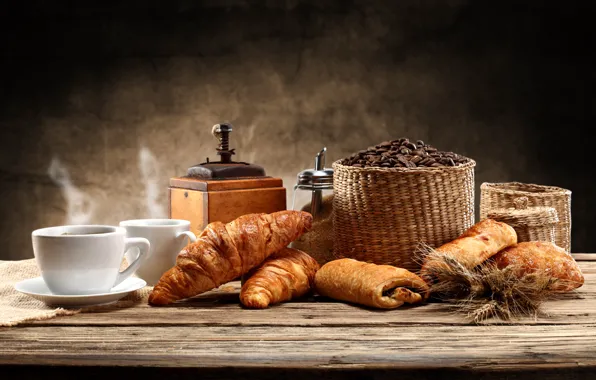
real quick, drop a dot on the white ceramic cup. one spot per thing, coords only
(167, 238)
(84, 259)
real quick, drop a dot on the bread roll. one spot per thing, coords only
(474, 246)
(546, 257)
(379, 286)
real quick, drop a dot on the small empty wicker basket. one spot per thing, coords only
(530, 223)
(385, 215)
(494, 196)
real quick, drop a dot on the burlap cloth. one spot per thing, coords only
(16, 307)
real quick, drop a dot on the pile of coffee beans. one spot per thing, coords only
(402, 153)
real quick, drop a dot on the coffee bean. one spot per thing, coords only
(403, 160)
(443, 160)
(426, 161)
(410, 146)
(401, 153)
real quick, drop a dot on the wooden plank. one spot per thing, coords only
(584, 256)
(214, 333)
(494, 347)
(222, 308)
(306, 315)
(227, 184)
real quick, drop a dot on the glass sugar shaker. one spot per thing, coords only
(314, 191)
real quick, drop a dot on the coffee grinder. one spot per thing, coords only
(223, 190)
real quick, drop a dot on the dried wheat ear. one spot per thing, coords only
(486, 291)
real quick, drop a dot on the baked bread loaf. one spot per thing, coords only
(285, 275)
(224, 252)
(478, 243)
(546, 257)
(379, 286)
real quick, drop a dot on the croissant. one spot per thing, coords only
(380, 286)
(479, 242)
(224, 252)
(285, 275)
(533, 256)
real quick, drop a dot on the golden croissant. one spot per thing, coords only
(224, 252)
(285, 275)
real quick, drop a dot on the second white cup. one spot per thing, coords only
(167, 238)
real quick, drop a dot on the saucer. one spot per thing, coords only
(37, 288)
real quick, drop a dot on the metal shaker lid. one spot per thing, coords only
(318, 178)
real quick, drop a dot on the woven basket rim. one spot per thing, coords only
(467, 165)
(531, 217)
(520, 188)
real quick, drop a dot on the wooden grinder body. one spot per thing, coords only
(203, 201)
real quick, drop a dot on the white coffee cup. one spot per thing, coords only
(84, 259)
(167, 238)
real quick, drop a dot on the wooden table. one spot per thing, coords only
(213, 336)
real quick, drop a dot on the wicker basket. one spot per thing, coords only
(530, 223)
(385, 215)
(502, 195)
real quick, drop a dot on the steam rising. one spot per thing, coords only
(149, 168)
(80, 207)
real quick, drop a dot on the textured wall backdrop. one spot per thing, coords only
(104, 102)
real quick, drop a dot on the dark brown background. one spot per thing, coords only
(103, 101)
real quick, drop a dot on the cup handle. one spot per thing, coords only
(143, 245)
(190, 235)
